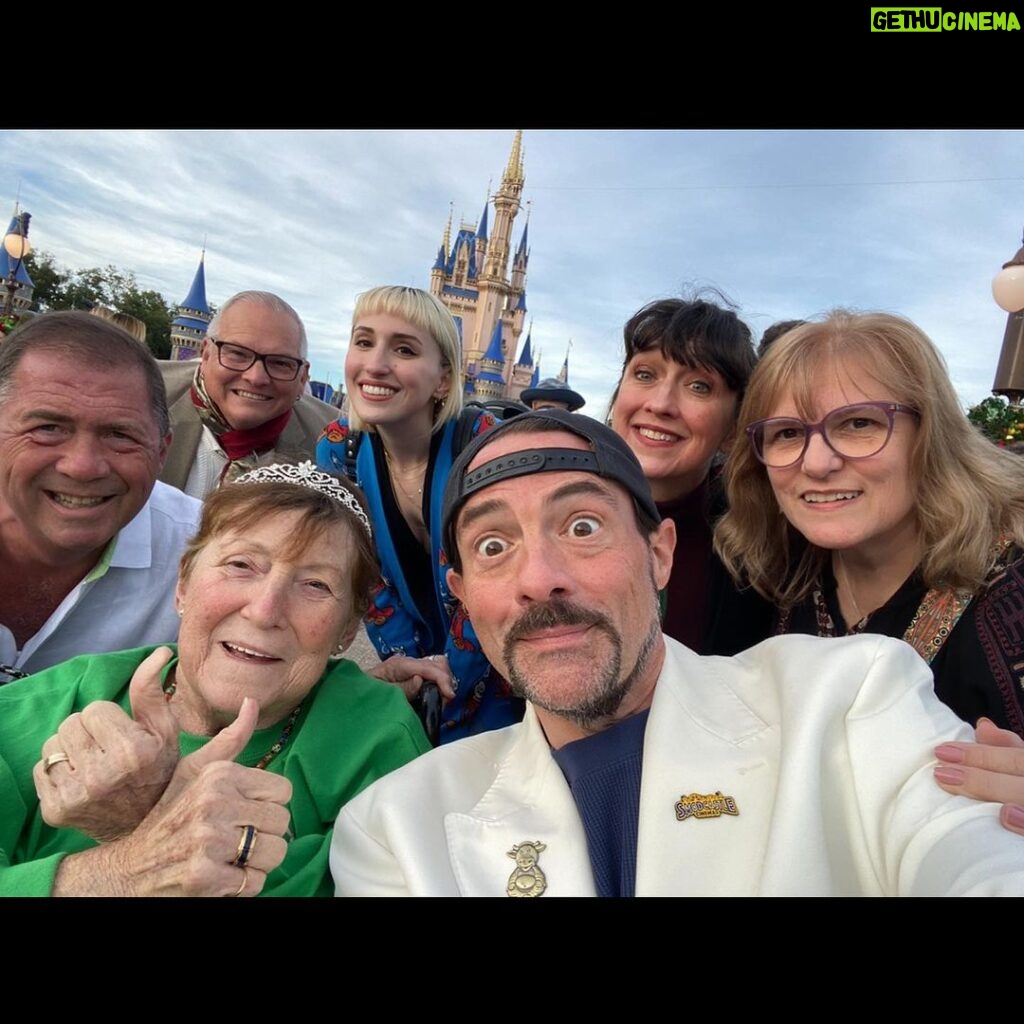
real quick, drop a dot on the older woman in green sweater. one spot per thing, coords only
(217, 767)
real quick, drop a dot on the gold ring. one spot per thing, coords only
(246, 845)
(245, 882)
(52, 759)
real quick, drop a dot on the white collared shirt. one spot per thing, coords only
(207, 466)
(127, 600)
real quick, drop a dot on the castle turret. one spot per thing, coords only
(490, 380)
(438, 270)
(188, 328)
(522, 372)
(481, 232)
(506, 206)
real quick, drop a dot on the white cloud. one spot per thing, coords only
(787, 223)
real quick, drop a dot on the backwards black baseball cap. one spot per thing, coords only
(609, 457)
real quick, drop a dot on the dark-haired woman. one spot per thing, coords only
(685, 368)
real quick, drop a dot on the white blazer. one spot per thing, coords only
(824, 746)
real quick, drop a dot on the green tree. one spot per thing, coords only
(151, 308)
(57, 287)
(48, 278)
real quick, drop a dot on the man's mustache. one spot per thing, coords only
(556, 612)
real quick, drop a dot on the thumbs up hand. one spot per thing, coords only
(115, 767)
(225, 746)
(201, 825)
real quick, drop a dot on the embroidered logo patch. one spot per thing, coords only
(705, 805)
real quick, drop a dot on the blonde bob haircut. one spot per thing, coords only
(429, 314)
(970, 493)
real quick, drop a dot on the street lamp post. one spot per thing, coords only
(1008, 291)
(17, 246)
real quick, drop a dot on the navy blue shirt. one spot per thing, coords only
(603, 772)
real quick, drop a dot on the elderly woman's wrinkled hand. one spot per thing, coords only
(218, 830)
(104, 771)
(411, 673)
(990, 769)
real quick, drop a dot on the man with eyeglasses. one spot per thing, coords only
(243, 403)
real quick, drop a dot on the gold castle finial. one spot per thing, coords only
(514, 170)
(446, 242)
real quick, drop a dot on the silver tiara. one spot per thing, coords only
(305, 474)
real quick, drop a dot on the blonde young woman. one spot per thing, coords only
(863, 500)
(405, 427)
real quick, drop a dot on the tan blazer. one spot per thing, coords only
(824, 746)
(297, 442)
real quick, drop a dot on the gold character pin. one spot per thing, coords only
(705, 805)
(527, 879)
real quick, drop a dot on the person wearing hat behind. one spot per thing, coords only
(552, 394)
(642, 768)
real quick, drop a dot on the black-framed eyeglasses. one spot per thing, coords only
(239, 358)
(852, 431)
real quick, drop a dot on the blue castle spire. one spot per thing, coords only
(526, 357)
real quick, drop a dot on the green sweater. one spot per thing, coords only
(352, 730)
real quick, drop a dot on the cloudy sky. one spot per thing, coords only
(787, 223)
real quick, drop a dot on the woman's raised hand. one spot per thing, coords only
(103, 770)
(218, 830)
(411, 673)
(990, 769)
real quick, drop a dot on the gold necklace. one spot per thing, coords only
(170, 688)
(849, 590)
(397, 475)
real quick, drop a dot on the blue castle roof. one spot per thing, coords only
(494, 348)
(467, 238)
(194, 323)
(196, 298)
(526, 357)
(521, 249)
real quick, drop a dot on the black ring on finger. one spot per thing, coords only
(245, 845)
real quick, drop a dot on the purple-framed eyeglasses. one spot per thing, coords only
(852, 431)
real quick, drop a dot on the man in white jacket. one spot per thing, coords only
(801, 767)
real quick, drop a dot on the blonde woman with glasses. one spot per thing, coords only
(865, 501)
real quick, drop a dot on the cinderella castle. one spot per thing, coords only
(479, 279)
(483, 284)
